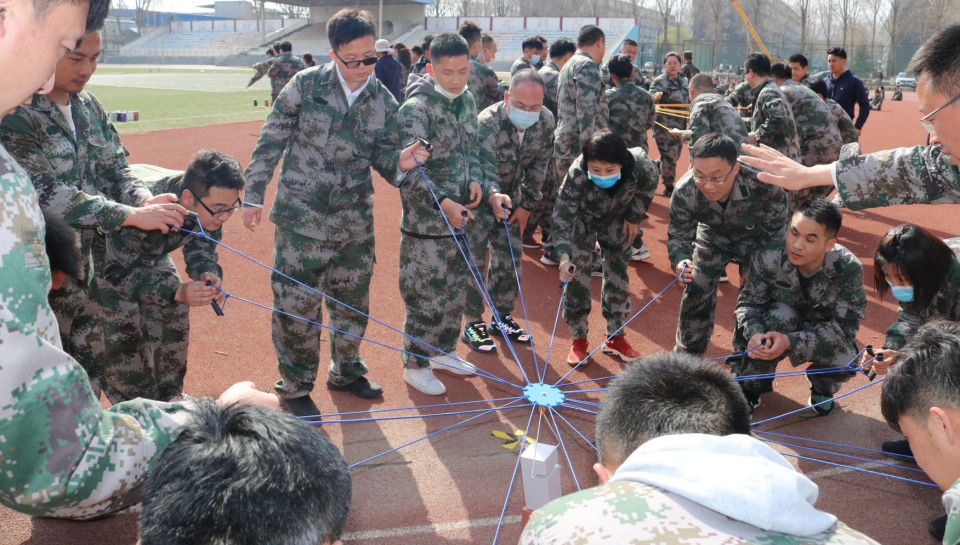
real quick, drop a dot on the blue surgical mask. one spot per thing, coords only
(904, 294)
(523, 119)
(535, 59)
(604, 182)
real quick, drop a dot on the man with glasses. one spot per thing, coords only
(332, 125)
(146, 305)
(719, 213)
(921, 174)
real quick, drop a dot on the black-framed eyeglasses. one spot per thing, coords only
(354, 64)
(225, 211)
(927, 122)
(715, 181)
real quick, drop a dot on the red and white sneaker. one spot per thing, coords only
(578, 352)
(618, 346)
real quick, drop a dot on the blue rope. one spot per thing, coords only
(564, 448)
(413, 408)
(585, 391)
(578, 408)
(575, 429)
(738, 354)
(462, 422)
(620, 329)
(849, 367)
(513, 478)
(408, 417)
(854, 468)
(904, 456)
(563, 292)
(523, 305)
(588, 403)
(841, 455)
(869, 384)
(588, 380)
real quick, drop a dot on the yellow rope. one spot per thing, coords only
(677, 106)
(673, 115)
(662, 126)
(668, 110)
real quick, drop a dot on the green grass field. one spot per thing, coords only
(174, 98)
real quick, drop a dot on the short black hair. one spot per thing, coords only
(589, 35)
(417, 49)
(939, 57)
(286, 47)
(448, 44)
(543, 39)
(702, 82)
(348, 25)
(918, 256)
(781, 71)
(532, 42)
(823, 212)
(486, 40)
(97, 15)
(605, 146)
(276, 47)
(759, 63)
(927, 374)
(837, 52)
(817, 85)
(715, 145)
(425, 43)
(688, 55)
(672, 54)
(245, 474)
(668, 393)
(211, 168)
(270, 52)
(799, 59)
(470, 32)
(628, 41)
(63, 247)
(561, 46)
(308, 58)
(620, 66)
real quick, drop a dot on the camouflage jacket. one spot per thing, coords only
(583, 206)
(676, 92)
(636, 78)
(740, 97)
(581, 105)
(710, 113)
(632, 113)
(632, 512)
(820, 139)
(325, 189)
(945, 305)
(134, 256)
(484, 85)
(521, 166)
(772, 123)
(551, 78)
(830, 311)
(283, 68)
(689, 70)
(420, 67)
(82, 178)
(951, 502)
(452, 129)
(61, 454)
(755, 215)
(847, 131)
(260, 69)
(917, 175)
(521, 64)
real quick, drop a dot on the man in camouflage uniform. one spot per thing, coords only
(433, 271)
(719, 213)
(420, 67)
(688, 69)
(512, 139)
(671, 90)
(283, 68)
(561, 51)
(484, 84)
(261, 68)
(710, 113)
(533, 50)
(629, 48)
(741, 98)
(803, 299)
(632, 110)
(672, 473)
(772, 123)
(324, 208)
(79, 169)
(848, 133)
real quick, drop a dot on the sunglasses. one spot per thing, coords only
(354, 64)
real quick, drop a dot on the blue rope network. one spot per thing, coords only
(540, 396)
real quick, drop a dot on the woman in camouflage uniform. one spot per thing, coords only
(669, 89)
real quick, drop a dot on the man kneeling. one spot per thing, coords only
(677, 464)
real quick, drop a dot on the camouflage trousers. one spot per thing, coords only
(341, 270)
(698, 304)
(615, 288)
(146, 345)
(79, 315)
(488, 236)
(669, 148)
(542, 215)
(433, 284)
(782, 317)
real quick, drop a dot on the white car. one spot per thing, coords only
(903, 80)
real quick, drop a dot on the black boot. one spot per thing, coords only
(898, 450)
(938, 527)
(362, 388)
(301, 406)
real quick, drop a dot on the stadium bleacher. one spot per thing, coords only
(200, 44)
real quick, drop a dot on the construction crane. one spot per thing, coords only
(753, 32)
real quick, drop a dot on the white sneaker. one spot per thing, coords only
(640, 254)
(724, 277)
(547, 261)
(453, 366)
(423, 380)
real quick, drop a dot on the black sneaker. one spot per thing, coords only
(820, 403)
(511, 328)
(362, 388)
(667, 190)
(477, 338)
(753, 400)
(938, 527)
(302, 406)
(898, 449)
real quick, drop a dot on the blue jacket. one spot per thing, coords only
(388, 72)
(848, 90)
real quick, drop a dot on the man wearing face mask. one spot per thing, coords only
(332, 124)
(532, 52)
(484, 83)
(513, 135)
(433, 274)
(803, 299)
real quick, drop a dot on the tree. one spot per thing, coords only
(665, 8)
(715, 9)
(937, 11)
(847, 11)
(141, 8)
(803, 7)
(825, 12)
(893, 21)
